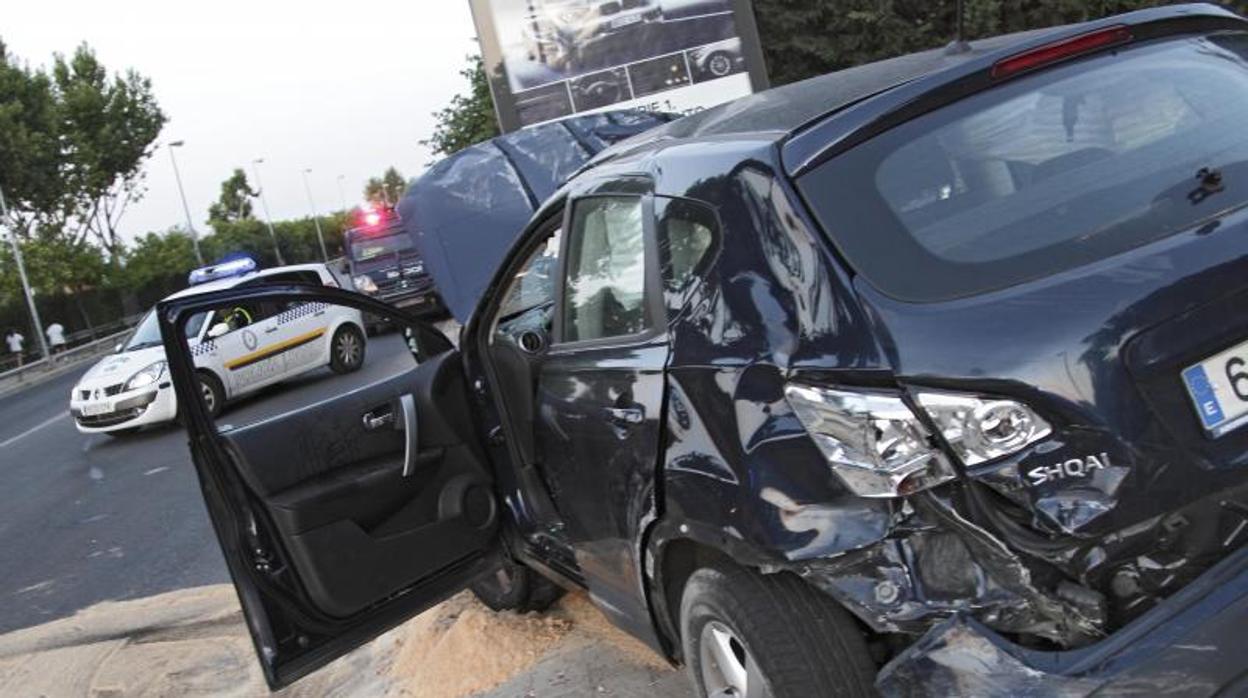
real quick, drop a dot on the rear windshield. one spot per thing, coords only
(1044, 173)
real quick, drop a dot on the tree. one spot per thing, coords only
(386, 189)
(469, 118)
(234, 204)
(29, 157)
(805, 38)
(106, 128)
(160, 260)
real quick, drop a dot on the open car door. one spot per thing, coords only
(349, 496)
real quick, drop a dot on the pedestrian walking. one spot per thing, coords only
(56, 337)
(15, 340)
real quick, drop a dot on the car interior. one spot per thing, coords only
(370, 484)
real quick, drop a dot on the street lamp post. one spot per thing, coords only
(268, 220)
(185, 209)
(315, 219)
(21, 272)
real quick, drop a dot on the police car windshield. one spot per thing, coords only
(147, 334)
(382, 247)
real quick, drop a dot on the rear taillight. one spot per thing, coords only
(872, 440)
(879, 447)
(1058, 51)
(980, 429)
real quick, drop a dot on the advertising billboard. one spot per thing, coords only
(547, 59)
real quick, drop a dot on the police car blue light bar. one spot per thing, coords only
(224, 270)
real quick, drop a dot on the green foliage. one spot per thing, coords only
(805, 38)
(106, 127)
(159, 260)
(73, 143)
(469, 118)
(29, 159)
(386, 189)
(234, 204)
(297, 239)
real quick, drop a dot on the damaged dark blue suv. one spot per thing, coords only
(926, 377)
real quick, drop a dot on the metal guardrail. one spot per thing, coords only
(73, 340)
(69, 357)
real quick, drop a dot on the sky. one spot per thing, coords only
(340, 88)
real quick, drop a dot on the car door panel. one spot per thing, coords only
(599, 433)
(601, 396)
(340, 517)
(356, 528)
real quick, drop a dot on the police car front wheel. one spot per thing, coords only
(346, 352)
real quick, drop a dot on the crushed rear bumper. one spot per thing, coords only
(1188, 645)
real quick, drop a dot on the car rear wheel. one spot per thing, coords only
(749, 634)
(514, 587)
(346, 350)
(213, 393)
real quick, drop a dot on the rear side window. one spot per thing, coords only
(606, 269)
(686, 233)
(1044, 173)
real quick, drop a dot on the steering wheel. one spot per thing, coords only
(238, 317)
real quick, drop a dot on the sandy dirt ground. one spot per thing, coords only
(193, 642)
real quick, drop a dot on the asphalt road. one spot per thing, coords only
(89, 518)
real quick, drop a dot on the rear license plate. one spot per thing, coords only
(1219, 388)
(625, 21)
(96, 409)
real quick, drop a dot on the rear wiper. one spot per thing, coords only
(1210, 183)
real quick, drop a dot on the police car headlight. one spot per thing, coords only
(980, 429)
(364, 284)
(872, 440)
(145, 377)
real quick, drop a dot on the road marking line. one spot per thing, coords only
(37, 427)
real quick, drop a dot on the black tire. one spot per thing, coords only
(796, 640)
(719, 64)
(123, 433)
(514, 587)
(213, 393)
(346, 349)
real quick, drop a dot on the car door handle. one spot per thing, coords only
(378, 418)
(407, 405)
(270, 330)
(626, 415)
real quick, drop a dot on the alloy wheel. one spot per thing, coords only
(728, 670)
(210, 396)
(348, 349)
(720, 65)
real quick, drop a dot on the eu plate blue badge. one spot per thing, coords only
(1202, 392)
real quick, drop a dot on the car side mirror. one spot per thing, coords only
(218, 330)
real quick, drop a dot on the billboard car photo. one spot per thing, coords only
(553, 58)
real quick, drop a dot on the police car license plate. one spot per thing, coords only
(96, 409)
(625, 21)
(1219, 388)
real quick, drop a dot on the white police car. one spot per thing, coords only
(237, 350)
